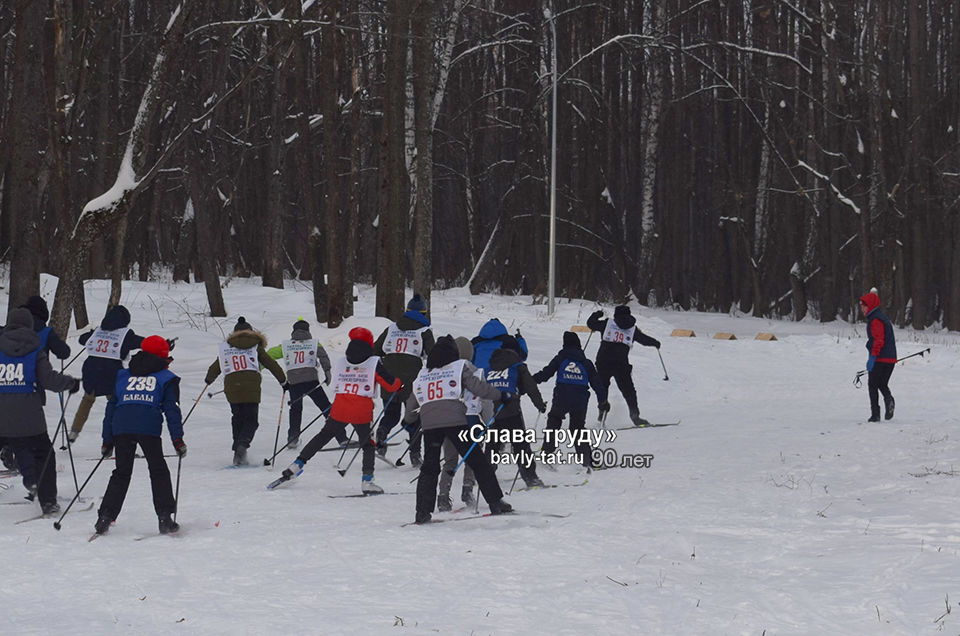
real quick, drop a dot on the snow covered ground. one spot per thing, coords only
(772, 508)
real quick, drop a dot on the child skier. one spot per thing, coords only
(49, 338)
(403, 347)
(143, 395)
(241, 355)
(883, 356)
(571, 392)
(27, 373)
(438, 392)
(474, 407)
(493, 335)
(618, 335)
(355, 377)
(302, 355)
(509, 374)
(107, 347)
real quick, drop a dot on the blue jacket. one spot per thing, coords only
(143, 395)
(575, 373)
(493, 335)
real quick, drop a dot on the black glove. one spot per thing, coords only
(542, 407)
(656, 343)
(506, 397)
(107, 449)
(286, 387)
(171, 343)
(604, 407)
(517, 335)
(596, 315)
(74, 386)
(180, 447)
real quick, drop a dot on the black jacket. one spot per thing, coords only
(616, 353)
(504, 359)
(100, 374)
(572, 396)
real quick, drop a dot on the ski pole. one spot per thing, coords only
(267, 461)
(63, 431)
(372, 428)
(56, 524)
(195, 402)
(918, 353)
(276, 438)
(472, 446)
(346, 445)
(665, 376)
(292, 402)
(60, 424)
(413, 440)
(210, 395)
(64, 368)
(176, 494)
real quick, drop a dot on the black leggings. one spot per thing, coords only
(877, 383)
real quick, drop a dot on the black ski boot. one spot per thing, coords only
(466, 496)
(888, 415)
(444, 504)
(422, 518)
(102, 524)
(167, 525)
(500, 507)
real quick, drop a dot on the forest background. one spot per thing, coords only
(777, 157)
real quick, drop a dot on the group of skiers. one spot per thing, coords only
(435, 387)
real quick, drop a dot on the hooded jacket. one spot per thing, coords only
(503, 360)
(304, 374)
(880, 340)
(493, 335)
(144, 418)
(100, 374)
(358, 409)
(23, 412)
(613, 354)
(51, 341)
(243, 387)
(402, 365)
(448, 413)
(569, 395)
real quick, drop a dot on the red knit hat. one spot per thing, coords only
(361, 333)
(156, 346)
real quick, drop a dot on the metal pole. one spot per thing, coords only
(552, 268)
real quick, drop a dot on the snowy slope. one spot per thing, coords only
(771, 508)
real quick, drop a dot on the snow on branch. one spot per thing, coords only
(840, 196)
(752, 49)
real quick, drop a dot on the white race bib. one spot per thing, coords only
(443, 383)
(472, 402)
(300, 354)
(107, 343)
(613, 333)
(407, 342)
(355, 379)
(233, 359)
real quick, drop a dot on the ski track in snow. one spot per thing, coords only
(772, 507)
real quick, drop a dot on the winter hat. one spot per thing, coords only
(871, 300)
(242, 325)
(301, 325)
(443, 353)
(417, 303)
(37, 307)
(509, 342)
(571, 340)
(465, 348)
(361, 333)
(20, 318)
(157, 346)
(621, 310)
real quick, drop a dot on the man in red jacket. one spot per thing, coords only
(883, 355)
(355, 377)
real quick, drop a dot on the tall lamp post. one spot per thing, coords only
(552, 267)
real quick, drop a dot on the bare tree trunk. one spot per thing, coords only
(186, 247)
(276, 166)
(392, 198)
(24, 133)
(329, 55)
(422, 30)
(117, 269)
